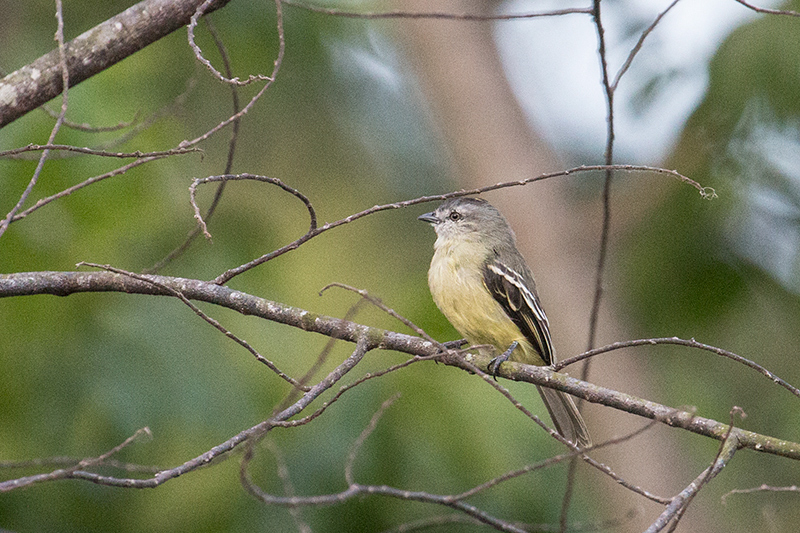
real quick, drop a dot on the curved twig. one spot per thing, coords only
(691, 343)
(705, 192)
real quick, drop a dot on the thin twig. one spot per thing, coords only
(178, 251)
(267, 84)
(88, 127)
(550, 462)
(359, 442)
(638, 46)
(594, 316)
(768, 11)
(62, 59)
(198, 53)
(219, 327)
(72, 471)
(102, 153)
(691, 343)
(85, 183)
(705, 192)
(239, 177)
(383, 307)
(566, 500)
(288, 489)
(760, 488)
(680, 503)
(71, 461)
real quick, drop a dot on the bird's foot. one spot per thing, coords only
(494, 364)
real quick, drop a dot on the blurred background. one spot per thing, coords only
(368, 112)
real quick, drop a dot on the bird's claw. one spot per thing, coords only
(494, 364)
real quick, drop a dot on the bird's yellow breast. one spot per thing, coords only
(456, 282)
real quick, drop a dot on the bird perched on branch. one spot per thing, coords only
(484, 287)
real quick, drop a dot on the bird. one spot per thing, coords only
(482, 284)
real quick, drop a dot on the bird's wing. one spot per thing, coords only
(521, 304)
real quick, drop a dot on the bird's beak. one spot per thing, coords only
(430, 218)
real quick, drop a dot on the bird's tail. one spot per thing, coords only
(566, 418)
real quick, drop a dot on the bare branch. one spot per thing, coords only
(761, 488)
(70, 461)
(89, 151)
(383, 307)
(276, 67)
(176, 293)
(65, 283)
(691, 343)
(85, 183)
(679, 504)
(549, 462)
(768, 11)
(93, 52)
(66, 473)
(705, 192)
(373, 423)
(238, 177)
(88, 127)
(62, 67)
(605, 228)
(288, 488)
(198, 53)
(638, 46)
(357, 489)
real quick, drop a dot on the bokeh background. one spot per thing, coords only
(374, 111)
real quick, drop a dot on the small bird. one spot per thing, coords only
(482, 284)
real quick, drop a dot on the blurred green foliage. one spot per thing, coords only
(344, 124)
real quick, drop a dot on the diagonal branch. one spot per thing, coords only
(94, 51)
(66, 283)
(679, 503)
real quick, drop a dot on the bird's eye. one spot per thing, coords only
(454, 216)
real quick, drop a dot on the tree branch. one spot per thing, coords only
(677, 507)
(66, 283)
(94, 51)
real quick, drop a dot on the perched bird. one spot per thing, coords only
(481, 283)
